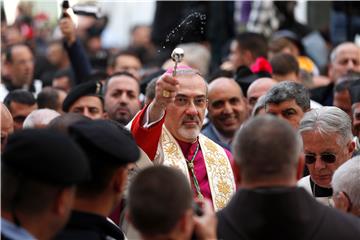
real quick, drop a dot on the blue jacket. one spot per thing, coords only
(208, 131)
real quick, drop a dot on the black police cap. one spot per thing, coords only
(46, 156)
(92, 88)
(104, 140)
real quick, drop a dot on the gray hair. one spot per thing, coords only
(267, 147)
(287, 90)
(260, 104)
(327, 120)
(335, 51)
(40, 117)
(347, 178)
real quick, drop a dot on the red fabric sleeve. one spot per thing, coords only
(147, 138)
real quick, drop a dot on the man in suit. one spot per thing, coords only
(268, 204)
(227, 111)
(289, 101)
(344, 59)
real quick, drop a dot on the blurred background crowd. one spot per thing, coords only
(77, 61)
(150, 30)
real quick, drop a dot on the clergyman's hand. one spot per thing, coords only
(165, 91)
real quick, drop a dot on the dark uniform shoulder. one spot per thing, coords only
(90, 227)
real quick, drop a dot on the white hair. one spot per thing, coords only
(334, 53)
(40, 117)
(328, 120)
(347, 179)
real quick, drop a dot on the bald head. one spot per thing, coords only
(224, 83)
(345, 58)
(267, 150)
(227, 106)
(257, 89)
(40, 118)
(7, 125)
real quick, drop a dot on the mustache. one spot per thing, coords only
(226, 116)
(122, 107)
(191, 118)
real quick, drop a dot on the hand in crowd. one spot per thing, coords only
(68, 30)
(205, 225)
(165, 92)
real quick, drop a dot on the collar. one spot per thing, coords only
(10, 87)
(91, 222)
(10, 230)
(318, 191)
(187, 147)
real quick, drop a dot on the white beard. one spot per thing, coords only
(189, 133)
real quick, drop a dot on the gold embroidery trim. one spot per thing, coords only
(219, 171)
(220, 174)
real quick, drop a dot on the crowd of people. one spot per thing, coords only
(248, 134)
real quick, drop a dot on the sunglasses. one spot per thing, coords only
(325, 157)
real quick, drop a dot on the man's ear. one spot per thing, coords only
(330, 71)
(342, 202)
(351, 148)
(300, 167)
(7, 67)
(186, 222)
(119, 179)
(64, 201)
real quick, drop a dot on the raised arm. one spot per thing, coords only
(147, 125)
(79, 61)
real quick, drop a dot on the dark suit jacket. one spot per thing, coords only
(210, 133)
(323, 95)
(80, 62)
(283, 213)
(89, 226)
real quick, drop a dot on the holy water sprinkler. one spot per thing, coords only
(177, 56)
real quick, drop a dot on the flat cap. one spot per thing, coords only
(92, 88)
(46, 156)
(105, 141)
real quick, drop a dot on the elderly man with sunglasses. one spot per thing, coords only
(168, 130)
(327, 139)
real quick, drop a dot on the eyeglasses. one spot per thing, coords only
(325, 157)
(182, 101)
